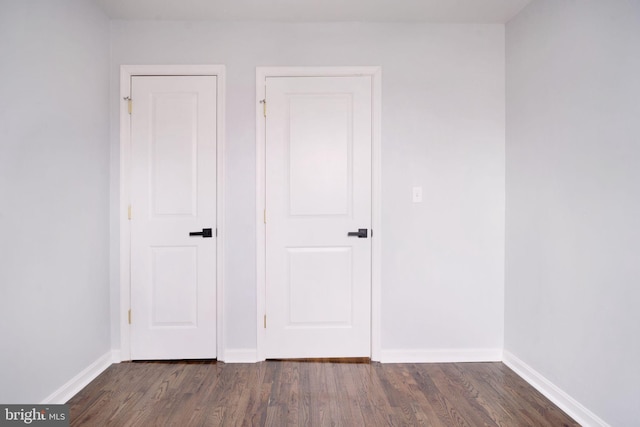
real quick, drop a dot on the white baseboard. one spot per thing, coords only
(80, 381)
(441, 355)
(240, 355)
(552, 392)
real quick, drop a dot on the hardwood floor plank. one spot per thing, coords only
(311, 393)
(363, 401)
(397, 391)
(349, 392)
(540, 405)
(487, 397)
(444, 408)
(319, 395)
(425, 413)
(466, 396)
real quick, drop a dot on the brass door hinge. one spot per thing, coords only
(264, 107)
(129, 315)
(129, 212)
(264, 216)
(129, 103)
(265, 321)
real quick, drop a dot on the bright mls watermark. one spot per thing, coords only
(34, 415)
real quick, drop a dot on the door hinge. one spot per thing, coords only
(129, 103)
(265, 321)
(264, 216)
(129, 315)
(264, 107)
(129, 212)
(216, 232)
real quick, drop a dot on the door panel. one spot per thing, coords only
(320, 141)
(320, 278)
(318, 188)
(173, 192)
(173, 165)
(173, 305)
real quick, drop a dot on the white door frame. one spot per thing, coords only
(376, 74)
(126, 72)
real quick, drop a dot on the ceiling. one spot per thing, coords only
(434, 11)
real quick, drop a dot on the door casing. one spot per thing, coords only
(376, 75)
(126, 72)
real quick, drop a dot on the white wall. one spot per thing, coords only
(443, 128)
(54, 166)
(573, 200)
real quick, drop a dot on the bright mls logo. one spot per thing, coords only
(36, 415)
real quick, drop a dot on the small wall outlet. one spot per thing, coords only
(417, 194)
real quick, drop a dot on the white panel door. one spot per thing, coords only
(318, 189)
(173, 193)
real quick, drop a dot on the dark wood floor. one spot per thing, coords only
(311, 394)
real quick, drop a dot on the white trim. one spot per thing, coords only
(441, 355)
(552, 392)
(376, 215)
(241, 355)
(80, 381)
(126, 72)
(376, 248)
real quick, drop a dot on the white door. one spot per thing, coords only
(173, 193)
(318, 189)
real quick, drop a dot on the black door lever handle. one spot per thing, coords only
(206, 232)
(362, 233)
